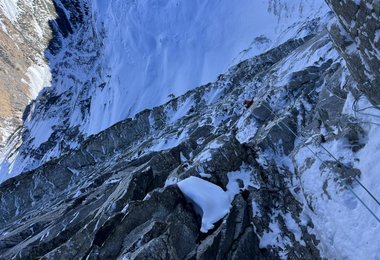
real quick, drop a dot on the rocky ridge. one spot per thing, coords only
(115, 183)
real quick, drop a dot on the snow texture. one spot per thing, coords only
(9, 9)
(39, 77)
(345, 227)
(175, 46)
(208, 199)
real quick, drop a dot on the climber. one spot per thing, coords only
(247, 103)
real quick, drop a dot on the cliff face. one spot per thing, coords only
(24, 36)
(356, 34)
(289, 165)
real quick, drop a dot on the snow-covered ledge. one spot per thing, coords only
(208, 199)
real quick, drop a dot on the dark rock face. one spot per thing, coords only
(357, 36)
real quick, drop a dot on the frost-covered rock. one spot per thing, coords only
(356, 33)
(124, 175)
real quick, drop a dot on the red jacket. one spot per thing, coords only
(248, 103)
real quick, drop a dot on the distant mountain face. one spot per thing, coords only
(176, 45)
(24, 36)
(112, 59)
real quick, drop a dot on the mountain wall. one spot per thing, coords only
(24, 36)
(356, 34)
(297, 167)
(121, 180)
(109, 58)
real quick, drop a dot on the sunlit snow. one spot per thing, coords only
(209, 200)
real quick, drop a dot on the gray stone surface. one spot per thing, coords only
(355, 36)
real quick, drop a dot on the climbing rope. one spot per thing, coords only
(338, 161)
(324, 163)
(355, 104)
(360, 111)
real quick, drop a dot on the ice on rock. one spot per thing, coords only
(208, 199)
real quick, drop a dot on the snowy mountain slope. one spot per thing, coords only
(109, 58)
(115, 196)
(123, 175)
(353, 33)
(10, 9)
(177, 45)
(286, 170)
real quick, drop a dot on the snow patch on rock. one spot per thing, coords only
(208, 199)
(40, 77)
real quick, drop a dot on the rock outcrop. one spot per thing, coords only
(116, 196)
(356, 35)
